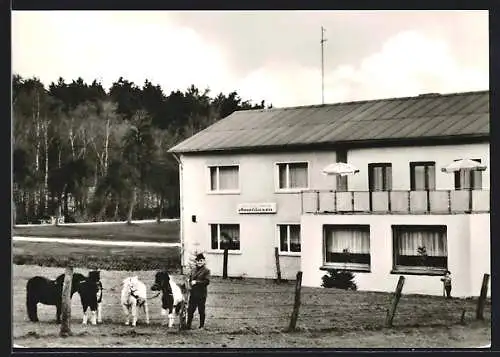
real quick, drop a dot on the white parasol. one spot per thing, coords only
(464, 165)
(341, 169)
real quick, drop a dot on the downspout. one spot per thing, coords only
(181, 211)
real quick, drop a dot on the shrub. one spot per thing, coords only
(340, 279)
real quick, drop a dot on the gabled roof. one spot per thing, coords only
(428, 116)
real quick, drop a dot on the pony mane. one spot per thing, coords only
(131, 281)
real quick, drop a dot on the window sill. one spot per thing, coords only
(290, 190)
(228, 192)
(359, 269)
(229, 252)
(290, 254)
(418, 271)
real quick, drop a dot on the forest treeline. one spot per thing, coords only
(92, 154)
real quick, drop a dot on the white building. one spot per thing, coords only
(256, 176)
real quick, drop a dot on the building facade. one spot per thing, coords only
(253, 182)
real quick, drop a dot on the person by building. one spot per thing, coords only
(199, 279)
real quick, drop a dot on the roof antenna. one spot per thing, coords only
(323, 40)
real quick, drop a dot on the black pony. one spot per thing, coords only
(48, 292)
(172, 295)
(90, 290)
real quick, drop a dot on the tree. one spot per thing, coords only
(71, 179)
(139, 154)
(127, 131)
(127, 96)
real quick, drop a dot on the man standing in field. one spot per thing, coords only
(199, 278)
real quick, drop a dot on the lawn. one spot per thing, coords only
(254, 313)
(51, 254)
(166, 231)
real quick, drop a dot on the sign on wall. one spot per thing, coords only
(257, 208)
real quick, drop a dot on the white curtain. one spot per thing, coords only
(298, 175)
(470, 180)
(434, 243)
(431, 174)
(420, 174)
(294, 234)
(228, 178)
(381, 178)
(354, 240)
(232, 231)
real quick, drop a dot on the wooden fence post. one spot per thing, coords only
(462, 317)
(184, 305)
(224, 263)
(395, 300)
(66, 303)
(278, 269)
(296, 305)
(482, 297)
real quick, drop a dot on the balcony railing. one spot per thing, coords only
(396, 202)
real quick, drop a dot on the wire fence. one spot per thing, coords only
(236, 307)
(259, 306)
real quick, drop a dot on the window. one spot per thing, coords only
(380, 176)
(224, 178)
(292, 175)
(289, 236)
(469, 180)
(341, 180)
(419, 249)
(225, 235)
(423, 176)
(347, 247)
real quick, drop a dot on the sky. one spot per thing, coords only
(262, 55)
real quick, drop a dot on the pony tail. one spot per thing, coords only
(31, 303)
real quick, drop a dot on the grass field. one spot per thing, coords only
(254, 313)
(167, 231)
(96, 257)
(240, 313)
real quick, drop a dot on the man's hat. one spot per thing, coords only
(200, 256)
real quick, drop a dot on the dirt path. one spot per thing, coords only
(94, 242)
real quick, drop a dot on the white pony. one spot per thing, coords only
(134, 295)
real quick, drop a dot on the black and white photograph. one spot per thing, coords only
(250, 179)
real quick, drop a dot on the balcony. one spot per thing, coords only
(395, 202)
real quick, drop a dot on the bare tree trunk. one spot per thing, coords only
(26, 202)
(85, 143)
(103, 208)
(131, 207)
(96, 174)
(72, 140)
(115, 215)
(36, 117)
(46, 178)
(160, 209)
(106, 147)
